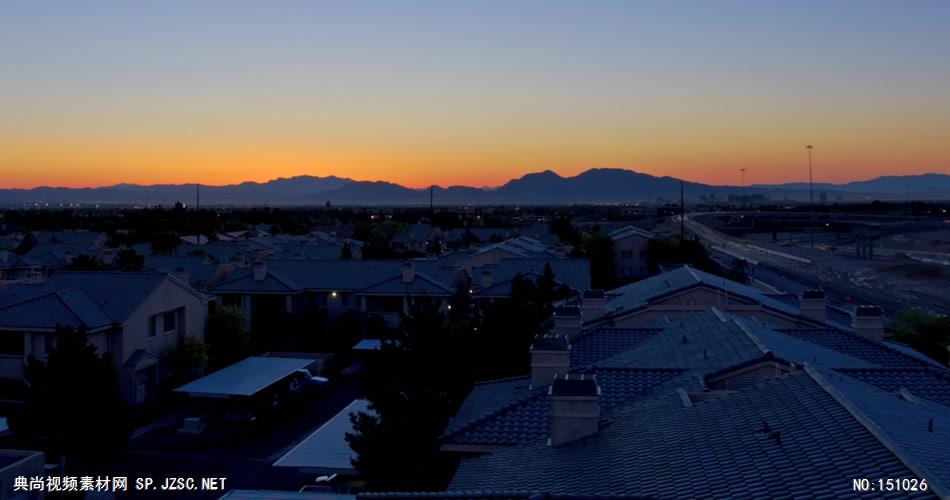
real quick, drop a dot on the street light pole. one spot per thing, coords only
(811, 185)
(811, 195)
(745, 199)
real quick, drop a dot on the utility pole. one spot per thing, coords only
(811, 184)
(197, 209)
(682, 213)
(744, 196)
(811, 195)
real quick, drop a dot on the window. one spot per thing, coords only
(166, 322)
(169, 321)
(11, 344)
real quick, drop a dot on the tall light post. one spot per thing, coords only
(811, 195)
(745, 199)
(811, 185)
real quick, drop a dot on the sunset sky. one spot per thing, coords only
(477, 92)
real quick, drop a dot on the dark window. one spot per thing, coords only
(11, 343)
(169, 321)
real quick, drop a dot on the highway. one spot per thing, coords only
(792, 273)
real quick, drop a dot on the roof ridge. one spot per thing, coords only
(753, 337)
(891, 445)
(502, 379)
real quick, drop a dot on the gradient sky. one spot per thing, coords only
(476, 92)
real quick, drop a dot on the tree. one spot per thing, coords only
(73, 405)
(130, 260)
(188, 359)
(227, 335)
(414, 386)
(928, 333)
(164, 242)
(599, 248)
(83, 262)
(347, 252)
(26, 244)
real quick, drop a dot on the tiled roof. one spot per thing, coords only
(90, 298)
(77, 237)
(274, 281)
(627, 231)
(637, 295)
(784, 438)
(420, 284)
(14, 261)
(342, 275)
(928, 383)
(54, 254)
(876, 353)
(602, 343)
(915, 429)
(524, 418)
(702, 342)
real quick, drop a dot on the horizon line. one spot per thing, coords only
(484, 187)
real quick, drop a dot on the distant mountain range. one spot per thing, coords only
(599, 185)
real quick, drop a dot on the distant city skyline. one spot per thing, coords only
(421, 93)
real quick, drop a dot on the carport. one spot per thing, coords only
(245, 378)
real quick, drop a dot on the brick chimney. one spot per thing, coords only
(567, 321)
(550, 358)
(593, 305)
(575, 408)
(811, 305)
(868, 322)
(487, 279)
(408, 272)
(260, 270)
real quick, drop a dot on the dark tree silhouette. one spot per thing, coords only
(73, 405)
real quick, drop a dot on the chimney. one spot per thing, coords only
(575, 408)
(550, 358)
(408, 272)
(107, 256)
(811, 305)
(260, 270)
(593, 305)
(182, 275)
(487, 279)
(868, 322)
(567, 321)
